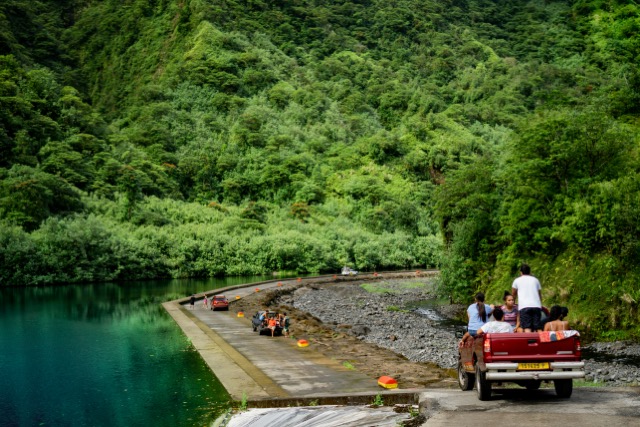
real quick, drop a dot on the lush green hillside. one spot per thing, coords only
(155, 138)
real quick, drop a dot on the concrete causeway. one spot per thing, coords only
(266, 368)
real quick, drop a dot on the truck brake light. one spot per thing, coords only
(487, 345)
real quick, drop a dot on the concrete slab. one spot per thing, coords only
(301, 372)
(266, 368)
(587, 407)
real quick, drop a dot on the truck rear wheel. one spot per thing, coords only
(483, 387)
(465, 379)
(564, 388)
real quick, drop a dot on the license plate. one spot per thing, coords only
(532, 366)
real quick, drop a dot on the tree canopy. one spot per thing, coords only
(199, 138)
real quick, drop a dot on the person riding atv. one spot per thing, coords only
(260, 323)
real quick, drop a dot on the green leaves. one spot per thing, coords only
(28, 196)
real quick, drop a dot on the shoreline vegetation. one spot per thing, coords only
(198, 241)
(157, 139)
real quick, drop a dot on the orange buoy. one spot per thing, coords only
(257, 289)
(335, 277)
(387, 382)
(279, 283)
(237, 296)
(241, 314)
(303, 343)
(299, 279)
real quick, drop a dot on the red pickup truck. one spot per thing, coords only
(524, 358)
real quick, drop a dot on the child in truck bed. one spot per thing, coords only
(493, 327)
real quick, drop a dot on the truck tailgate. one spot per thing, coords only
(522, 347)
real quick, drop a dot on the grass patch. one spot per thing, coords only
(376, 288)
(395, 286)
(348, 365)
(583, 383)
(414, 285)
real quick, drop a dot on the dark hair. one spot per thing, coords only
(525, 269)
(498, 314)
(564, 312)
(480, 304)
(506, 294)
(555, 313)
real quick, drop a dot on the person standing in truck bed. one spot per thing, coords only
(528, 291)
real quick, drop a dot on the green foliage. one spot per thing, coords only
(244, 404)
(204, 138)
(28, 196)
(168, 238)
(348, 365)
(378, 400)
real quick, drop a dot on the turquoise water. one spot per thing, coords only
(103, 355)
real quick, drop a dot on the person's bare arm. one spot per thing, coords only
(514, 292)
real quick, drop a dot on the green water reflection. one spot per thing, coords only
(103, 355)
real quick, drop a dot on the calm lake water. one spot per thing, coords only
(104, 355)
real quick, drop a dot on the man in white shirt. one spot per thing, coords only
(495, 326)
(529, 293)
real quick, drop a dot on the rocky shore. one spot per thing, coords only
(379, 318)
(387, 316)
(613, 363)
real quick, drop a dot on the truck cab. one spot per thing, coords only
(524, 358)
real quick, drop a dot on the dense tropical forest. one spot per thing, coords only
(157, 138)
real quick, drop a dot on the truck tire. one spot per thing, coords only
(465, 379)
(564, 388)
(483, 387)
